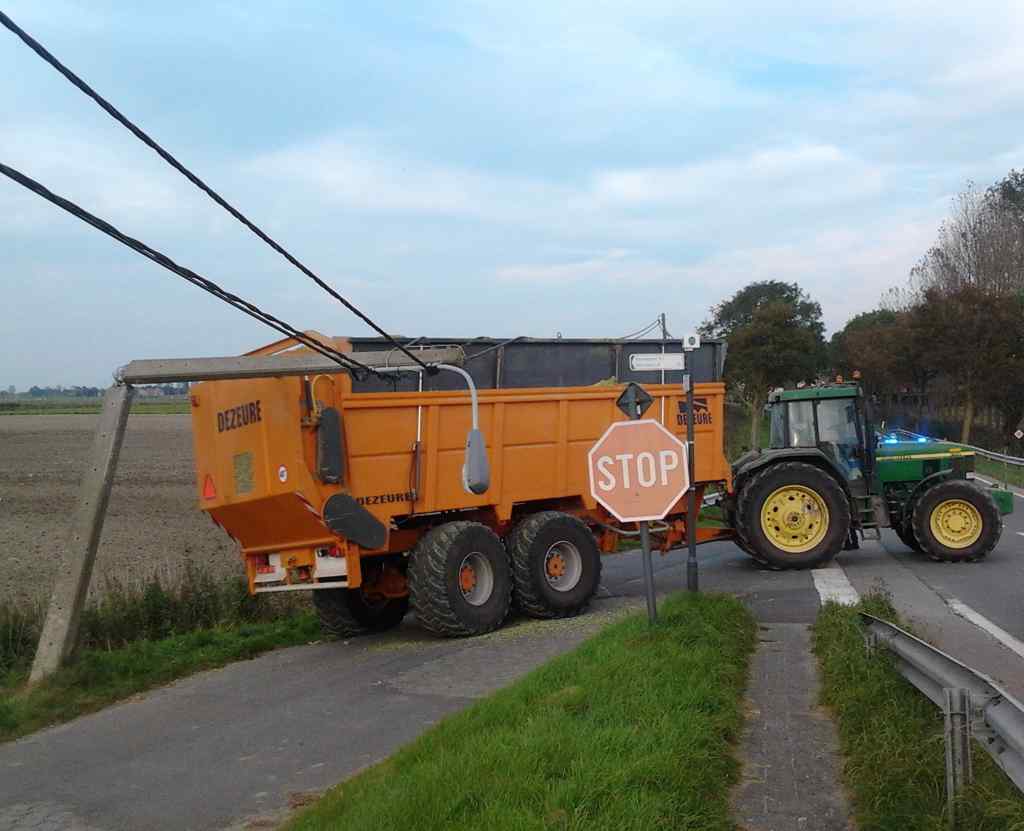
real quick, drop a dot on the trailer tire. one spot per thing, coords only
(955, 521)
(460, 581)
(556, 565)
(346, 613)
(802, 484)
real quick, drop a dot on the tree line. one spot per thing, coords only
(942, 353)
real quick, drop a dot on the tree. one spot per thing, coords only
(777, 346)
(739, 309)
(969, 288)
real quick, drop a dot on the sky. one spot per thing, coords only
(481, 168)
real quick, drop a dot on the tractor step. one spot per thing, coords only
(871, 516)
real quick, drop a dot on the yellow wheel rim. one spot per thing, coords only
(794, 518)
(956, 523)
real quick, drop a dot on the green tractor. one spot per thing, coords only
(827, 480)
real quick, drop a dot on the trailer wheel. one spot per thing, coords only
(955, 521)
(556, 565)
(346, 613)
(793, 515)
(459, 580)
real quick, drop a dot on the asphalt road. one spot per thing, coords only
(240, 744)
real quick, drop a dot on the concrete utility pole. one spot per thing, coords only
(60, 629)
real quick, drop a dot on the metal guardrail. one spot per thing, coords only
(972, 703)
(981, 451)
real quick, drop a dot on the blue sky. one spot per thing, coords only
(470, 168)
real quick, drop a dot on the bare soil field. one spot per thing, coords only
(153, 523)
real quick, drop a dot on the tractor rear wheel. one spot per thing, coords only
(556, 565)
(459, 580)
(346, 613)
(793, 515)
(956, 521)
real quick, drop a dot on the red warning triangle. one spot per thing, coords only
(209, 491)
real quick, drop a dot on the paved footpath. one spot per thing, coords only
(790, 750)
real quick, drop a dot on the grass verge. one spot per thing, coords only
(1000, 473)
(90, 406)
(891, 737)
(633, 729)
(100, 677)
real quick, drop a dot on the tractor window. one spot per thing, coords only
(837, 421)
(778, 426)
(837, 434)
(801, 424)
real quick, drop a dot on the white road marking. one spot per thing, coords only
(982, 622)
(833, 585)
(1021, 533)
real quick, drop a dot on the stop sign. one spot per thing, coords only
(638, 470)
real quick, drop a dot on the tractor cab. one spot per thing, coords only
(831, 419)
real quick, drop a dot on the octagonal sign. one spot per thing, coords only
(638, 470)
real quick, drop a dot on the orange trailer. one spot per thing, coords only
(360, 496)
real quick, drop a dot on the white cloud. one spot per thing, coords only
(646, 204)
(786, 175)
(846, 269)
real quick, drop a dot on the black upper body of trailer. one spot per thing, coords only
(542, 362)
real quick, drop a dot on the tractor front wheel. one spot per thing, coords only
(906, 535)
(793, 515)
(955, 521)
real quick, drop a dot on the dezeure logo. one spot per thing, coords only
(701, 412)
(240, 416)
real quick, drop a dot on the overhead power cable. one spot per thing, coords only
(641, 332)
(116, 114)
(185, 273)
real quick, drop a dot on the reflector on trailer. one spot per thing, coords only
(209, 491)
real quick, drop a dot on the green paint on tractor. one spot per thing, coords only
(828, 479)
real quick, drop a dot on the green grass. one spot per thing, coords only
(891, 737)
(737, 431)
(147, 610)
(98, 677)
(1012, 474)
(633, 729)
(90, 406)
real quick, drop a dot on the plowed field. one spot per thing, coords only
(153, 522)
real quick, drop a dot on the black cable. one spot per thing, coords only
(187, 274)
(41, 50)
(643, 331)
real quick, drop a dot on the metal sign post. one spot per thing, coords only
(692, 575)
(634, 402)
(638, 472)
